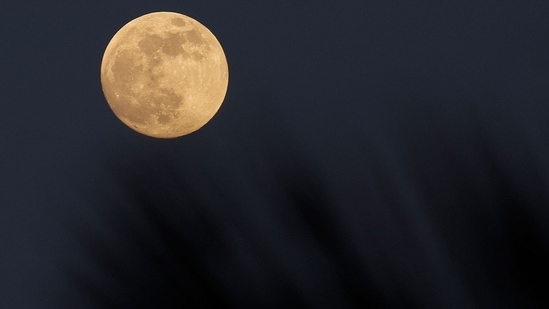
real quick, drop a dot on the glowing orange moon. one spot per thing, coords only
(164, 75)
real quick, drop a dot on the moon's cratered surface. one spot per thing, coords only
(164, 74)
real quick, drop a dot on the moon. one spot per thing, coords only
(164, 74)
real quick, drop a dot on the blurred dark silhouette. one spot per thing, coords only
(439, 215)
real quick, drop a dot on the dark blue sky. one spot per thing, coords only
(389, 153)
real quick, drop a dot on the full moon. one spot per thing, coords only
(164, 75)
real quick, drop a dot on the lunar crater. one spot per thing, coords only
(179, 22)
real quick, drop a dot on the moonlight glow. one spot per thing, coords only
(164, 75)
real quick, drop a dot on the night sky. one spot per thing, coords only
(368, 154)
